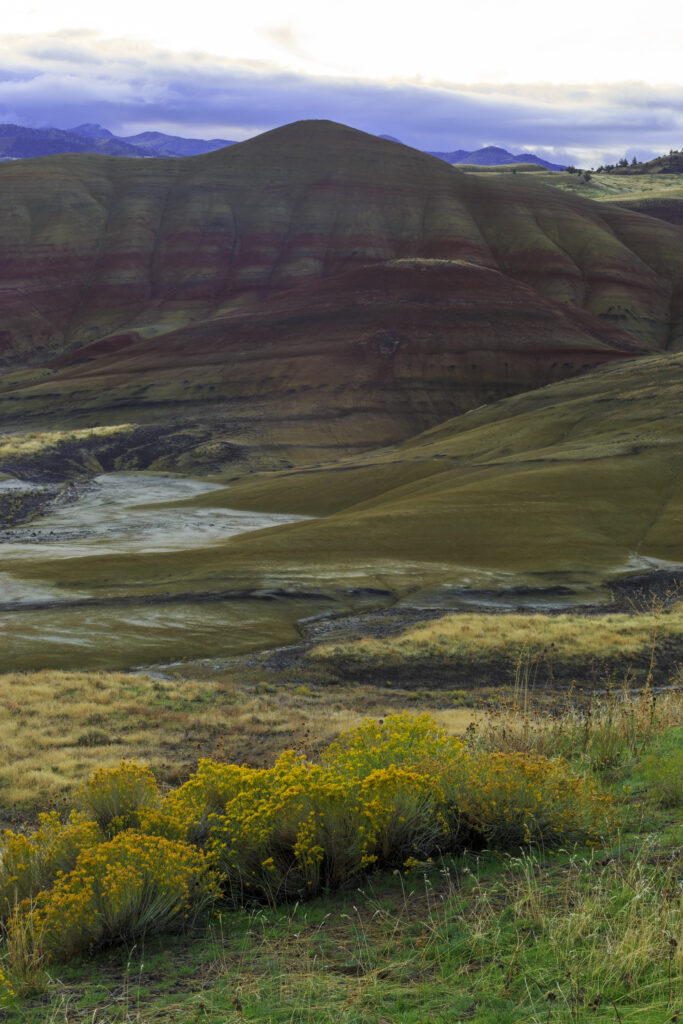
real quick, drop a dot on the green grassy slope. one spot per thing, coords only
(582, 479)
(582, 475)
(654, 194)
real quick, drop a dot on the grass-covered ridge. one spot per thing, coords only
(511, 642)
(502, 936)
(19, 445)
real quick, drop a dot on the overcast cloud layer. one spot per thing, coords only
(128, 86)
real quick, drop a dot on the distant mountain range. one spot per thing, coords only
(489, 156)
(155, 143)
(494, 156)
(18, 143)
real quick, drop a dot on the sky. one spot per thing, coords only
(584, 82)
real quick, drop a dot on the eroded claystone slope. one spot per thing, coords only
(314, 282)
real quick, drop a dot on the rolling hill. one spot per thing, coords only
(580, 477)
(313, 289)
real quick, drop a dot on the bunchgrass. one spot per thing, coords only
(598, 733)
(659, 773)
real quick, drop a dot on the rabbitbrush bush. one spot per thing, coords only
(184, 813)
(386, 794)
(28, 865)
(115, 797)
(122, 889)
(514, 799)
(403, 739)
(298, 827)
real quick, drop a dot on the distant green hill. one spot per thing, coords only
(672, 163)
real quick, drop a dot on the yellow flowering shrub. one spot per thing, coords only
(406, 815)
(114, 797)
(519, 798)
(298, 827)
(184, 813)
(404, 740)
(264, 839)
(127, 887)
(30, 864)
(6, 990)
(388, 793)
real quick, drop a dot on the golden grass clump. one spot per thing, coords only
(479, 637)
(21, 445)
(608, 731)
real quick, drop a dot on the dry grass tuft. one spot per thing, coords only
(59, 727)
(604, 733)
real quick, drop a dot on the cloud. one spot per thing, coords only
(287, 40)
(129, 86)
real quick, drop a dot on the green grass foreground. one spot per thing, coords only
(523, 933)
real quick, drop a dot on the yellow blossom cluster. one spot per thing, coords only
(299, 827)
(119, 890)
(518, 798)
(401, 739)
(114, 797)
(184, 813)
(6, 990)
(29, 865)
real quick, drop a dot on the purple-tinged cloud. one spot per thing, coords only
(62, 81)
